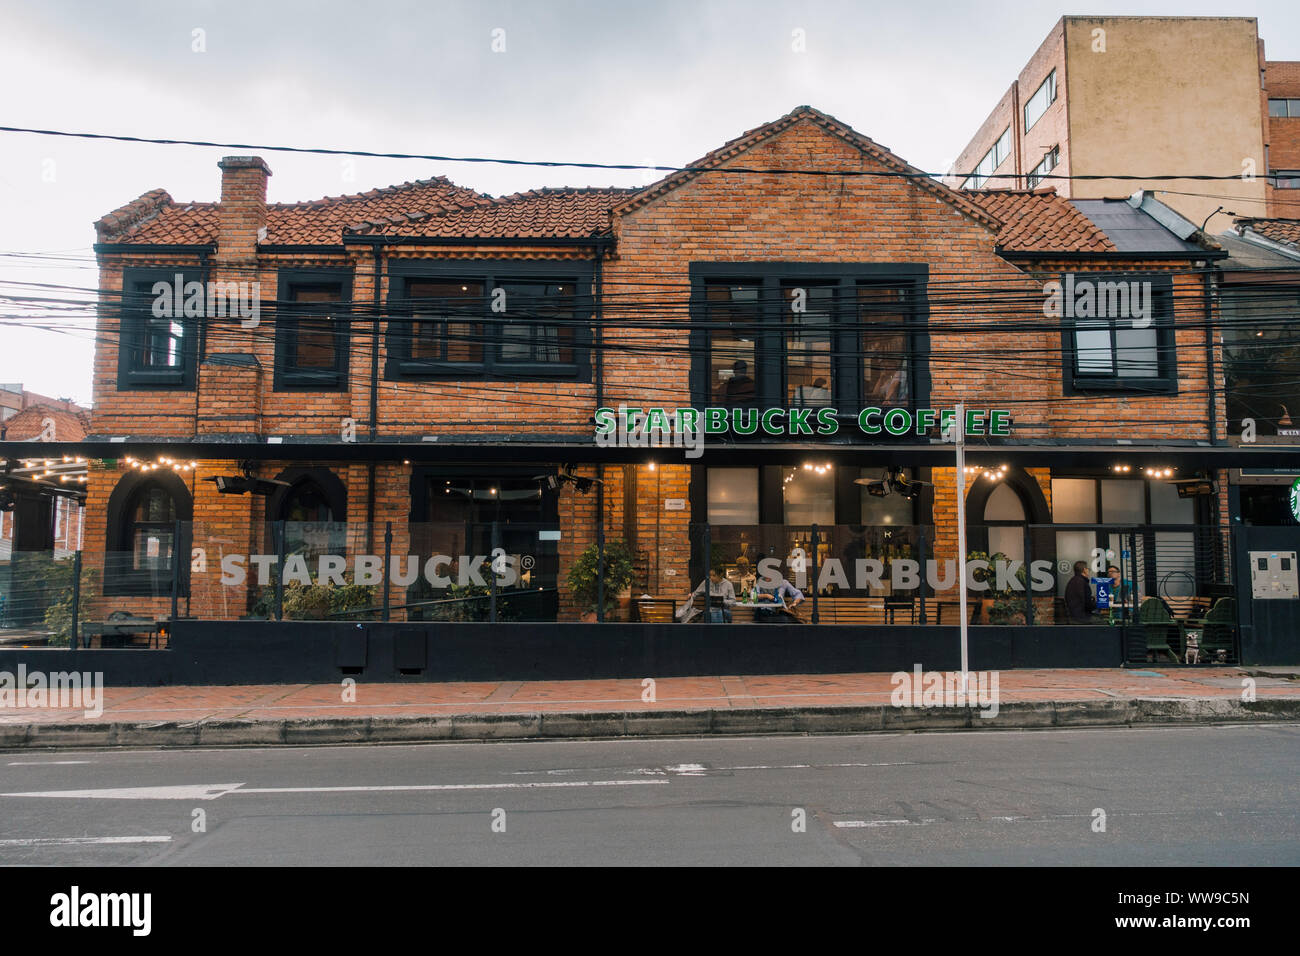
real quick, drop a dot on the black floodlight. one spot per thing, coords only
(1195, 487)
(247, 485)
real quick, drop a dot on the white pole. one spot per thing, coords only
(959, 437)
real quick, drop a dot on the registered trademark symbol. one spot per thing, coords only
(527, 561)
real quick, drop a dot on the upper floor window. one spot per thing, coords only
(514, 322)
(799, 335)
(1043, 97)
(1045, 166)
(1286, 179)
(1123, 349)
(991, 161)
(312, 330)
(1284, 107)
(156, 347)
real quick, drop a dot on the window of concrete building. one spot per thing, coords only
(991, 160)
(1045, 166)
(1043, 97)
(1284, 107)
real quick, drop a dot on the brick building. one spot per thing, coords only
(424, 371)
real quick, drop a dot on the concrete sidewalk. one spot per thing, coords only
(826, 703)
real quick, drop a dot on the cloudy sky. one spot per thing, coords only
(651, 83)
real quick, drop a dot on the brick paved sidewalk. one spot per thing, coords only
(290, 702)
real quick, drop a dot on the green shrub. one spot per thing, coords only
(618, 574)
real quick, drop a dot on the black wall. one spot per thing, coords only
(257, 652)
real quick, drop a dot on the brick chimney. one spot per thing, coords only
(243, 207)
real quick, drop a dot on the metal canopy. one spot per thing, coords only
(713, 453)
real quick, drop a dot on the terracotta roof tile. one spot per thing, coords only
(28, 424)
(1038, 220)
(155, 218)
(1276, 230)
(536, 214)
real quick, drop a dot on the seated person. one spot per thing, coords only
(746, 574)
(781, 600)
(1122, 590)
(718, 588)
(738, 387)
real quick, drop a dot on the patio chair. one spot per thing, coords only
(1220, 629)
(1157, 622)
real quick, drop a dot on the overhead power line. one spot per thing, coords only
(575, 164)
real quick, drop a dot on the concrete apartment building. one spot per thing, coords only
(1148, 96)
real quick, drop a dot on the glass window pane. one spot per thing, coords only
(892, 509)
(314, 342)
(533, 339)
(733, 310)
(1092, 348)
(1004, 505)
(440, 328)
(809, 493)
(1074, 500)
(1167, 507)
(1123, 501)
(1137, 355)
(882, 314)
(1277, 108)
(809, 315)
(733, 495)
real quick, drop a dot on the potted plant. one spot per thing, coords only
(585, 583)
(1004, 606)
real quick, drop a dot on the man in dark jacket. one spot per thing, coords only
(1079, 602)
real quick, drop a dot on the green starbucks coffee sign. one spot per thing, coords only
(611, 423)
(1295, 499)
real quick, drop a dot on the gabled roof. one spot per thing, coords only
(29, 424)
(536, 214)
(730, 150)
(1038, 220)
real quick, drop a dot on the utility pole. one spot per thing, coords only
(959, 439)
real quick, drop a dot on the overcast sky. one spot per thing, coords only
(598, 81)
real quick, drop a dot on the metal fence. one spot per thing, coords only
(501, 572)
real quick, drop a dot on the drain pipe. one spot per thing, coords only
(375, 248)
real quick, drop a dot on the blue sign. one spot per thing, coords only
(1103, 593)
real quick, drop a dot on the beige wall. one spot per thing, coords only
(1167, 95)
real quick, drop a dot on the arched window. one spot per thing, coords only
(1004, 513)
(148, 532)
(314, 512)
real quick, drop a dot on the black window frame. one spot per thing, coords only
(121, 577)
(1034, 177)
(134, 311)
(848, 393)
(288, 376)
(1162, 320)
(491, 272)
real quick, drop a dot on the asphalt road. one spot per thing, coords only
(1186, 795)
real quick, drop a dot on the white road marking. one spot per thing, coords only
(198, 791)
(83, 841)
(46, 763)
(882, 823)
(214, 790)
(453, 786)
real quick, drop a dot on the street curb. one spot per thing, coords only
(1034, 715)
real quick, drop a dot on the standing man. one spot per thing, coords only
(1079, 602)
